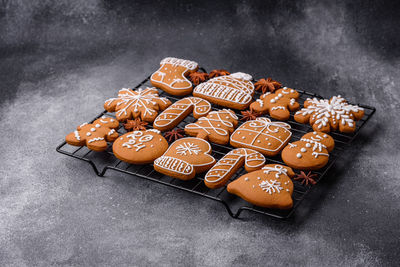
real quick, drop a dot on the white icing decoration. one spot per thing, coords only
(88, 134)
(278, 107)
(187, 148)
(77, 136)
(242, 76)
(279, 169)
(95, 139)
(303, 150)
(111, 132)
(210, 120)
(97, 125)
(298, 155)
(137, 139)
(273, 186)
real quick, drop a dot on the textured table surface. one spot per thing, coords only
(59, 61)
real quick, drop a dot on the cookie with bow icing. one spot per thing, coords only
(327, 115)
(263, 135)
(226, 167)
(270, 187)
(178, 111)
(185, 158)
(140, 147)
(216, 127)
(232, 91)
(141, 103)
(94, 135)
(277, 104)
(172, 76)
(311, 152)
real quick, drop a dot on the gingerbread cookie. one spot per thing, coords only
(226, 167)
(277, 104)
(134, 104)
(330, 115)
(172, 76)
(173, 115)
(311, 152)
(215, 127)
(185, 158)
(140, 147)
(232, 91)
(94, 135)
(269, 187)
(262, 134)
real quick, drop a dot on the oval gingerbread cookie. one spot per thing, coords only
(226, 167)
(311, 152)
(269, 187)
(173, 115)
(262, 134)
(140, 147)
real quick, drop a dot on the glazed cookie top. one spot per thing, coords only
(143, 103)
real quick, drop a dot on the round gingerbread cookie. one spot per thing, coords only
(140, 147)
(311, 152)
(269, 187)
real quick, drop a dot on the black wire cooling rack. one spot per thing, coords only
(101, 162)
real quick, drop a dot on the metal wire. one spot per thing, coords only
(102, 162)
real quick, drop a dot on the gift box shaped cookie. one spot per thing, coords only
(263, 135)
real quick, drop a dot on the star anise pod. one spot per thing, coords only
(174, 134)
(135, 125)
(267, 85)
(306, 178)
(198, 77)
(249, 115)
(216, 73)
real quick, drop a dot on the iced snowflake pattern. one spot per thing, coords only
(188, 148)
(273, 186)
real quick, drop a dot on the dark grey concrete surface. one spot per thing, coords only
(59, 60)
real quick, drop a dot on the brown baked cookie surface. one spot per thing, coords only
(226, 167)
(172, 75)
(232, 91)
(185, 158)
(174, 114)
(270, 187)
(277, 104)
(311, 152)
(140, 147)
(330, 115)
(263, 135)
(216, 127)
(141, 103)
(94, 135)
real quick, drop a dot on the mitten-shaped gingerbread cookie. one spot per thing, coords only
(262, 134)
(94, 135)
(269, 187)
(277, 104)
(172, 76)
(143, 104)
(173, 115)
(140, 147)
(215, 127)
(226, 167)
(185, 158)
(330, 115)
(232, 91)
(311, 152)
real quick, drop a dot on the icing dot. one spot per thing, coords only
(314, 132)
(303, 149)
(112, 120)
(266, 138)
(258, 178)
(238, 132)
(121, 138)
(325, 135)
(284, 88)
(97, 125)
(308, 145)
(287, 190)
(246, 179)
(243, 137)
(269, 144)
(272, 101)
(280, 95)
(258, 141)
(298, 155)
(88, 134)
(291, 90)
(93, 129)
(219, 125)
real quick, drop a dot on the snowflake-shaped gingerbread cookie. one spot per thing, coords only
(330, 115)
(143, 103)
